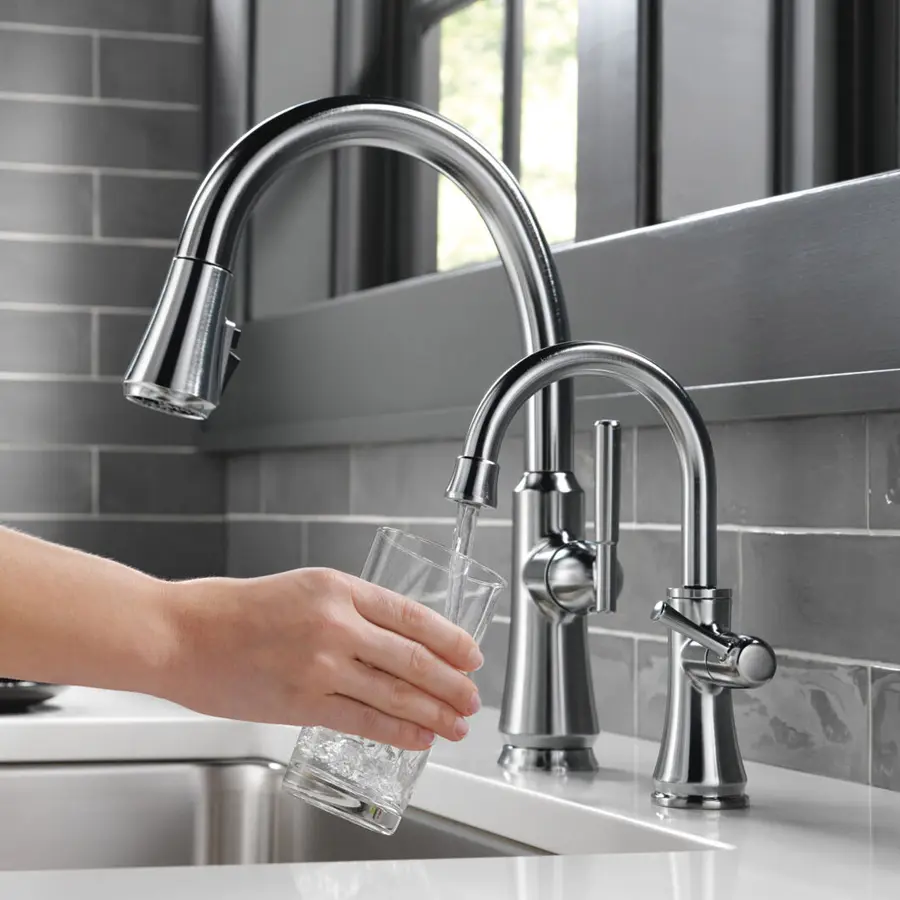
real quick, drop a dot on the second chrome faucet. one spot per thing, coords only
(699, 764)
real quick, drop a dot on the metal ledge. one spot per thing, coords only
(778, 308)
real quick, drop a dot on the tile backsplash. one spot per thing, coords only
(101, 148)
(806, 509)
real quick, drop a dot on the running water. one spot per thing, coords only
(460, 548)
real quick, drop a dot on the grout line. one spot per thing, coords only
(95, 344)
(356, 518)
(163, 243)
(115, 102)
(61, 169)
(635, 693)
(871, 710)
(162, 449)
(138, 518)
(16, 306)
(95, 64)
(95, 204)
(625, 633)
(115, 34)
(625, 526)
(634, 476)
(95, 481)
(54, 378)
(868, 486)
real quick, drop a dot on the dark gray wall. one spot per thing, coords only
(101, 143)
(810, 540)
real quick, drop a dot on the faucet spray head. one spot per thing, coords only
(187, 353)
(474, 482)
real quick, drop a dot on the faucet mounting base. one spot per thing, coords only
(699, 801)
(546, 759)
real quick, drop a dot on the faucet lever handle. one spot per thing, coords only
(740, 661)
(607, 489)
(699, 634)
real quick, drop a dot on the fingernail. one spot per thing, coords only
(476, 660)
(428, 737)
(461, 728)
(474, 704)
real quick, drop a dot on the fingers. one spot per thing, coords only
(352, 717)
(415, 664)
(402, 700)
(418, 623)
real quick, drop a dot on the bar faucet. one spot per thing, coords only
(699, 764)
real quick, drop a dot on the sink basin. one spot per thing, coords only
(79, 816)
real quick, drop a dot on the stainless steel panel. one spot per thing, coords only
(197, 813)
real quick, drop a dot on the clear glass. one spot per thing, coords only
(471, 93)
(358, 779)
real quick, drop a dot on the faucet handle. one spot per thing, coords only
(607, 489)
(729, 661)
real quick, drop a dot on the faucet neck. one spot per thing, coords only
(219, 211)
(545, 367)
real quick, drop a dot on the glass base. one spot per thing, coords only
(340, 800)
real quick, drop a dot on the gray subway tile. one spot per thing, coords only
(491, 677)
(57, 342)
(242, 483)
(339, 545)
(812, 716)
(82, 274)
(791, 472)
(410, 479)
(136, 207)
(612, 674)
(652, 563)
(119, 337)
(584, 470)
(652, 689)
(884, 471)
(161, 483)
(88, 412)
(886, 728)
(45, 481)
(40, 63)
(89, 135)
(309, 482)
(165, 16)
(45, 203)
(166, 549)
(822, 593)
(151, 70)
(263, 548)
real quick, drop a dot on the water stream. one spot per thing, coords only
(460, 547)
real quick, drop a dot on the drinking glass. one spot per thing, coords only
(362, 780)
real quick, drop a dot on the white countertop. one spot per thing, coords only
(803, 836)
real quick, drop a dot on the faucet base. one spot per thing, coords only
(699, 801)
(546, 759)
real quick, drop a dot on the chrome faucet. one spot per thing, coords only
(699, 764)
(188, 353)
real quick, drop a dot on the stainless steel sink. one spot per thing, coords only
(194, 814)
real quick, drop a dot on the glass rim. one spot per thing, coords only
(392, 534)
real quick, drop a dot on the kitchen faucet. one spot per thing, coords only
(188, 353)
(699, 764)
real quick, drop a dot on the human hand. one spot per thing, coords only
(319, 647)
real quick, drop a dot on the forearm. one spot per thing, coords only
(72, 618)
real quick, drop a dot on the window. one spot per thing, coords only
(471, 93)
